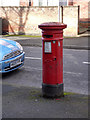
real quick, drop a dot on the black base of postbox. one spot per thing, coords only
(52, 91)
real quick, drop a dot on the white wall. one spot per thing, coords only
(9, 2)
(35, 2)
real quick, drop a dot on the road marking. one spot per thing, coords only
(65, 72)
(67, 54)
(72, 73)
(86, 63)
(31, 68)
(33, 58)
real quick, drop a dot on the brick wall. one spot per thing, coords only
(71, 18)
(84, 20)
(25, 20)
(24, 2)
(84, 4)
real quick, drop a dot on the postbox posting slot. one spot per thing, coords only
(47, 36)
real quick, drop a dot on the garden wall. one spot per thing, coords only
(25, 20)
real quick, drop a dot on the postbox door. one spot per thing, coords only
(51, 62)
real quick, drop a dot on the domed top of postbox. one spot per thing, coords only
(52, 25)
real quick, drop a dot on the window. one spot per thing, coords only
(63, 2)
(50, 2)
(40, 2)
(29, 2)
(43, 2)
(53, 2)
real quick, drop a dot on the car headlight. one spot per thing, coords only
(19, 46)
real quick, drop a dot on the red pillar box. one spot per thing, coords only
(52, 58)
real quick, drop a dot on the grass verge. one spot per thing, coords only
(35, 36)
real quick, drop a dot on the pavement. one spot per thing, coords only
(28, 102)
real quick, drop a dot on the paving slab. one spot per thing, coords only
(28, 102)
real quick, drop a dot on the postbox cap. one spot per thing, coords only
(52, 25)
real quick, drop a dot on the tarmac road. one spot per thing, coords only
(75, 70)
